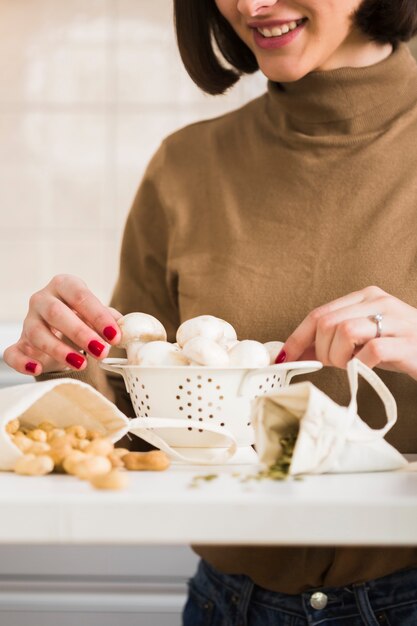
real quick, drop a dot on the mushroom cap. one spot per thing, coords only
(226, 343)
(205, 351)
(205, 326)
(274, 348)
(140, 327)
(160, 353)
(248, 353)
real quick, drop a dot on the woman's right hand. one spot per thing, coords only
(64, 318)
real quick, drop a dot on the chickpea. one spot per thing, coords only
(155, 461)
(32, 465)
(111, 480)
(12, 427)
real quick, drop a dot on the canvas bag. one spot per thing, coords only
(66, 401)
(331, 438)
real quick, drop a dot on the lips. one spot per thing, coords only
(277, 33)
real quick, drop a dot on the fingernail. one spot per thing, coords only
(110, 332)
(74, 359)
(95, 347)
(281, 357)
(31, 367)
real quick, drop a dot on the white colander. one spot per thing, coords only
(202, 414)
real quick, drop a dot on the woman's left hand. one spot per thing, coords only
(345, 328)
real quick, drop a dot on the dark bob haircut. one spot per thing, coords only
(203, 33)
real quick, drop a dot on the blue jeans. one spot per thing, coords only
(217, 599)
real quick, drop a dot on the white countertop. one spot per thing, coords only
(162, 508)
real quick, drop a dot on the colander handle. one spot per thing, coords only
(295, 368)
(302, 367)
(144, 428)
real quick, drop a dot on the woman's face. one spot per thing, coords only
(291, 38)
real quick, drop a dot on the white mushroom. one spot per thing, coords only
(226, 343)
(274, 348)
(160, 353)
(132, 350)
(137, 329)
(207, 326)
(205, 351)
(248, 353)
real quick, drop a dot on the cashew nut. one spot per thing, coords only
(12, 427)
(156, 461)
(91, 465)
(32, 465)
(112, 480)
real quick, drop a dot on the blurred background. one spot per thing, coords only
(88, 88)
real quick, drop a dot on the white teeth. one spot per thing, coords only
(278, 31)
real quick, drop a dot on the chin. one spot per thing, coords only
(285, 75)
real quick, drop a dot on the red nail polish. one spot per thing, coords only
(109, 332)
(95, 347)
(31, 367)
(281, 357)
(75, 359)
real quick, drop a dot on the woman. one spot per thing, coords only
(278, 217)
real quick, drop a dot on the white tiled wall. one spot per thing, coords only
(88, 88)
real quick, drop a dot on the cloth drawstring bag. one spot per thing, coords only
(66, 401)
(329, 438)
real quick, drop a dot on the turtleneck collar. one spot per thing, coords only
(347, 100)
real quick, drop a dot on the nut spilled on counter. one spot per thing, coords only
(80, 452)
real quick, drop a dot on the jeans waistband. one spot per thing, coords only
(382, 592)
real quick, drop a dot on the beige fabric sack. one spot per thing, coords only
(63, 402)
(331, 438)
(66, 401)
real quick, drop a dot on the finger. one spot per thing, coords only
(75, 293)
(28, 360)
(58, 316)
(21, 362)
(37, 336)
(352, 334)
(319, 325)
(384, 352)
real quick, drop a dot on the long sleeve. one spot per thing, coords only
(145, 282)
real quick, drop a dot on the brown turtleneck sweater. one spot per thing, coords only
(303, 195)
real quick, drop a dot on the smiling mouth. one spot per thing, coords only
(282, 29)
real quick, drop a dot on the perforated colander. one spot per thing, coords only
(202, 414)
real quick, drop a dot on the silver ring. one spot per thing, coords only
(377, 319)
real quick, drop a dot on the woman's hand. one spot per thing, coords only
(63, 319)
(335, 332)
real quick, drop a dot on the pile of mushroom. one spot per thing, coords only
(203, 340)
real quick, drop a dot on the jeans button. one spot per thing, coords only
(318, 600)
